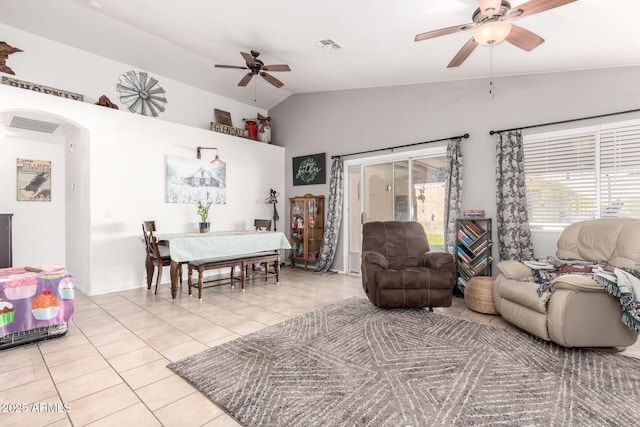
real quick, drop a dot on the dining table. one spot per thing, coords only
(185, 247)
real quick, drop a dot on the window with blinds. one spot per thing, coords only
(582, 174)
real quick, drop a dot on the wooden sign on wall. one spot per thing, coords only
(40, 88)
(309, 169)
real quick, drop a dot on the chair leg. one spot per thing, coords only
(277, 267)
(150, 268)
(158, 278)
(189, 279)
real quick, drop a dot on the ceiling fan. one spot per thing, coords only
(491, 25)
(257, 67)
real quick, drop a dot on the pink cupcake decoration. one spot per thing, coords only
(20, 286)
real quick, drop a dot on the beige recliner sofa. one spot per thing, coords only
(577, 312)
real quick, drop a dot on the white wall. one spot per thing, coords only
(125, 183)
(117, 167)
(348, 121)
(43, 220)
(53, 64)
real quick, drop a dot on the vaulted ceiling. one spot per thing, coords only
(184, 39)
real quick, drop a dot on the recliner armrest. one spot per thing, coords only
(514, 270)
(370, 257)
(435, 260)
(576, 282)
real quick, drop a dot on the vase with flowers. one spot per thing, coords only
(203, 212)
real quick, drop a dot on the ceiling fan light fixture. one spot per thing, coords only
(492, 32)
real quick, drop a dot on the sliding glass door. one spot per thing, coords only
(405, 188)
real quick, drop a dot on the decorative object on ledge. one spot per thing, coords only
(215, 161)
(104, 101)
(203, 212)
(264, 131)
(251, 126)
(42, 89)
(229, 130)
(273, 199)
(34, 180)
(222, 117)
(141, 93)
(309, 169)
(5, 51)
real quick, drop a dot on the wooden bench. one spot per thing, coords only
(241, 261)
(262, 258)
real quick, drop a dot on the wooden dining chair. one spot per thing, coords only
(260, 225)
(157, 254)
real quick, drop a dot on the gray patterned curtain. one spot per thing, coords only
(514, 234)
(453, 193)
(334, 218)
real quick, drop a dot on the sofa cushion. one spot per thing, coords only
(614, 240)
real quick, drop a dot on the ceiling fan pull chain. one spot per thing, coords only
(491, 87)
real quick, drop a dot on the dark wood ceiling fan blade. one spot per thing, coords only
(245, 80)
(271, 79)
(276, 67)
(231, 66)
(524, 39)
(463, 53)
(443, 32)
(250, 60)
(534, 6)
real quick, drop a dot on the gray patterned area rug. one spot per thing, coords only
(351, 364)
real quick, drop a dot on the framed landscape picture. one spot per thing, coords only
(309, 169)
(189, 181)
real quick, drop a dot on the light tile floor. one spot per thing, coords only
(110, 368)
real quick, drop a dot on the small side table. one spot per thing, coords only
(478, 295)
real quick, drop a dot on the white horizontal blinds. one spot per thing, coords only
(620, 171)
(561, 178)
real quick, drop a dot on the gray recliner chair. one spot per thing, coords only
(577, 312)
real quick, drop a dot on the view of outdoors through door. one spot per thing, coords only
(403, 190)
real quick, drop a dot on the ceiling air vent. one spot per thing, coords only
(328, 44)
(18, 122)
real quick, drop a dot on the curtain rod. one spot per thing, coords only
(466, 135)
(565, 121)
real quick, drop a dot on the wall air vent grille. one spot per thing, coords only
(18, 122)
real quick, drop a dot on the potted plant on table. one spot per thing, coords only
(203, 212)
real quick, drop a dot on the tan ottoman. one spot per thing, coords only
(478, 295)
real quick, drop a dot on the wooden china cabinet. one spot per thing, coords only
(307, 228)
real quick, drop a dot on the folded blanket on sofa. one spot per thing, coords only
(618, 282)
(624, 284)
